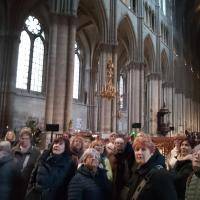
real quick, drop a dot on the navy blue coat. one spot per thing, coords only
(9, 178)
(86, 185)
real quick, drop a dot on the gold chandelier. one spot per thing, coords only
(108, 91)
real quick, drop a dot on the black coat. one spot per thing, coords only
(181, 172)
(86, 185)
(160, 185)
(9, 178)
(34, 153)
(50, 177)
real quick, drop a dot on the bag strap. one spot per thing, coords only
(145, 181)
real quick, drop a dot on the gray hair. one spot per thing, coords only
(5, 146)
(196, 148)
(90, 152)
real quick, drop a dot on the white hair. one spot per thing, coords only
(119, 139)
(196, 148)
(5, 146)
(89, 152)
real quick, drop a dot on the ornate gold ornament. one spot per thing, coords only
(108, 91)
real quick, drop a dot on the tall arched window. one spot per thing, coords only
(76, 73)
(121, 91)
(31, 56)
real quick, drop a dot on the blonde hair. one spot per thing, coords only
(13, 133)
(25, 131)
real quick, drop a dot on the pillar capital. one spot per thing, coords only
(135, 66)
(109, 47)
(154, 76)
(168, 84)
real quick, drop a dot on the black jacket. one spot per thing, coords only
(34, 153)
(181, 172)
(50, 177)
(86, 185)
(9, 178)
(160, 184)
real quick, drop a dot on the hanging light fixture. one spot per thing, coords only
(109, 91)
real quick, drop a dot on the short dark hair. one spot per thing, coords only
(61, 140)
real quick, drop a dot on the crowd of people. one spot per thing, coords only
(82, 168)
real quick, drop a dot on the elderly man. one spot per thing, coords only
(26, 156)
(9, 173)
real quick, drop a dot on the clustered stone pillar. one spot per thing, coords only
(9, 44)
(61, 70)
(154, 103)
(134, 94)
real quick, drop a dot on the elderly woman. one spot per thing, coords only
(90, 182)
(76, 147)
(182, 168)
(104, 161)
(193, 182)
(10, 137)
(149, 181)
(54, 170)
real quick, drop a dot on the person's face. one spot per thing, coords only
(119, 146)
(112, 138)
(142, 155)
(25, 141)
(58, 148)
(185, 148)
(99, 148)
(10, 136)
(92, 162)
(77, 144)
(196, 161)
(86, 143)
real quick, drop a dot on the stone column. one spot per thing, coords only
(168, 99)
(49, 112)
(134, 89)
(114, 101)
(70, 71)
(154, 101)
(61, 70)
(8, 68)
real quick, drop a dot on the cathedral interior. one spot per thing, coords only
(100, 65)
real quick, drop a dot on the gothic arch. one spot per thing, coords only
(149, 54)
(126, 42)
(92, 19)
(126, 33)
